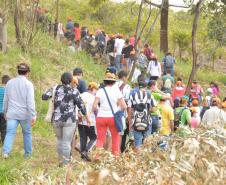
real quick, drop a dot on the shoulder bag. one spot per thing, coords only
(117, 116)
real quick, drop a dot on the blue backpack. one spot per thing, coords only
(169, 61)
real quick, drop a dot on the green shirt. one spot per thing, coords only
(185, 115)
(157, 97)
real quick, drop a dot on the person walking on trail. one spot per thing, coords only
(167, 82)
(88, 131)
(166, 111)
(108, 96)
(19, 108)
(214, 114)
(125, 89)
(142, 61)
(126, 55)
(154, 68)
(66, 98)
(82, 87)
(155, 114)
(182, 114)
(139, 108)
(5, 79)
(195, 113)
(119, 43)
(168, 63)
(77, 31)
(148, 52)
(70, 24)
(110, 49)
(179, 90)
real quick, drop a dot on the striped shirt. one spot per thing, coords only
(2, 92)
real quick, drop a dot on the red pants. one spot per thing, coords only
(102, 124)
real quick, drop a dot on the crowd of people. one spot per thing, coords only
(112, 115)
(115, 114)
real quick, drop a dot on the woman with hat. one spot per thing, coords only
(105, 117)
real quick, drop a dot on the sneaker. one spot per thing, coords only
(5, 156)
(85, 156)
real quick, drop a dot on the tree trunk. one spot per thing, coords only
(194, 52)
(3, 35)
(137, 39)
(164, 27)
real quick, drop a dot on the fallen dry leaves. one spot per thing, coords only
(198, 158)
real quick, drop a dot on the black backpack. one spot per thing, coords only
(141, 112)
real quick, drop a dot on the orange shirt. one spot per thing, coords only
(77, 34)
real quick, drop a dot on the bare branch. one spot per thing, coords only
(146, 22)
(153, 25)
(171, 5)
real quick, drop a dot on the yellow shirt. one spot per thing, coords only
(167, 116)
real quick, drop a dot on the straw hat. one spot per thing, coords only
(93, 85)
(110, 77)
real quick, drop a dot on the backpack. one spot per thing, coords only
(141, 112)
(177, 117)
(168, 84)
(169, 61)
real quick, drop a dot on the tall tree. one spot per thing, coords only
(165, 5)
(195, 64)
(164, 26)
(4, 11)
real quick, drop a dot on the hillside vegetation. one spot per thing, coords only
(49, 59)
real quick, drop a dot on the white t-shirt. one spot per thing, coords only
(119, 44)
(114, 95)
(154, 70)
(88, 99)
(126, 89)
(213, 115)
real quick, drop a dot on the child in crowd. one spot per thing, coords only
(88, 131)
(5, 79)
(195, 113)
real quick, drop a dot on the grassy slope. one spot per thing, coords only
(48, 61)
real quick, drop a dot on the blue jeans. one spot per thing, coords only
(118, 62)
(140, 136)
(155, 124)
(11, 132)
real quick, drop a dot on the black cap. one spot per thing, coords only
(142, 84)
(23, 67)
(77, 71)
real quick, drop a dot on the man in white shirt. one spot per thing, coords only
(214, 114)
(119, 44)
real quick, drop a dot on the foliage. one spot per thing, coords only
(182, 39)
